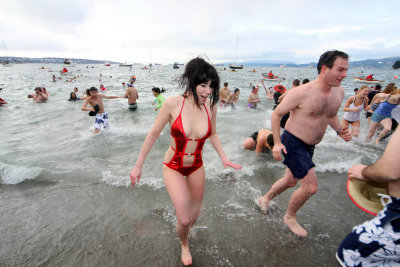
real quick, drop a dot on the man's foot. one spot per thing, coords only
(186, 256)
(294, 226)
(263, 202)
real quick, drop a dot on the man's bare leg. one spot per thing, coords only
(278, 187)
(309, 186)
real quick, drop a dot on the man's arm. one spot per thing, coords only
(290, 102)
(126, 95)
(111, 96)
(386, 168)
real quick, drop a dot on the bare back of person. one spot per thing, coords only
(132, 95)
(309, 119)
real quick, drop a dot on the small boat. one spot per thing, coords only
(107, 64)
(125, 65)
(265, 77)
(363, 80)
(235, 67)
(175, 66)
(66, 61)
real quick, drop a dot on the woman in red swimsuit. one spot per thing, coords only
(192, 118)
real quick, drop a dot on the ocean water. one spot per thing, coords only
(65, 194)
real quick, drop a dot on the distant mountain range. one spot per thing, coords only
(371, 63)
(54, 60)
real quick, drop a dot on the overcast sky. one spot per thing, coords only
(166, 31)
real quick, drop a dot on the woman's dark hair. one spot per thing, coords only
(199, 71)
(157, 90)
(72, 95)
(329, 57)
(88, 92)
(305, 81)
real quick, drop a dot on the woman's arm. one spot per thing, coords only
(161, 120)
(348, 102)
(214, 140)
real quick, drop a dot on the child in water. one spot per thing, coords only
(159, 97)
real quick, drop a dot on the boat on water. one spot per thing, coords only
(265, 77)
(175, 66)
(363, 80)
(236, 67)
(6, 63)
(125, 65)
(107, 64)
(67, 62)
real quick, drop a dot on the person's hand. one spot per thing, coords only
(355, 172)
(135, 175)
(228, 163)
(276, 151)
(345, 134)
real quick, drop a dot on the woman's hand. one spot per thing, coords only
(228, 163)
(135, 175)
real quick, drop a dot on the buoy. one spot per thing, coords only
(395, 77)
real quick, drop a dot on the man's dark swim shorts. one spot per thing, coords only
(299, 155)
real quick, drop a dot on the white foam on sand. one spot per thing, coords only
(15, 174)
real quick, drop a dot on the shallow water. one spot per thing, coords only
(66, 198)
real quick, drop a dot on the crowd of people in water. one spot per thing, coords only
(303, 112)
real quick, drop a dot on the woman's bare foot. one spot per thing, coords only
(186, 256)
(294, 226)
(263, 202)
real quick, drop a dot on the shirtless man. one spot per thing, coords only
(376, 242)
(233, 98)
(97, 108)
(313, 107)
(224, 94)
(132, 94)
(39, 95)
(261, 141)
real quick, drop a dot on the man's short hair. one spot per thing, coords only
(270, 140)
(329, 57)
(225, 84)
(378, 87)
(296, 82)
(91, 89)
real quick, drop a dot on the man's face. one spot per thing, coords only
(338, 72)
(93, 94)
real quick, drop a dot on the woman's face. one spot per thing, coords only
(203, 91)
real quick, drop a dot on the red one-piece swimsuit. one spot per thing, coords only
(181, 140)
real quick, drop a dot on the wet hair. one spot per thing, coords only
(296, 82)
(329, 57)
(378, 87)
(39, 89)
(254, 89)
(355, 89)
(305, 81)
(92, 89)
(390, 89)
(157, 90)
(198, 71)
(88, 92)
(225, 84)
(270, 140)
(236, 90)
(72, 94)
